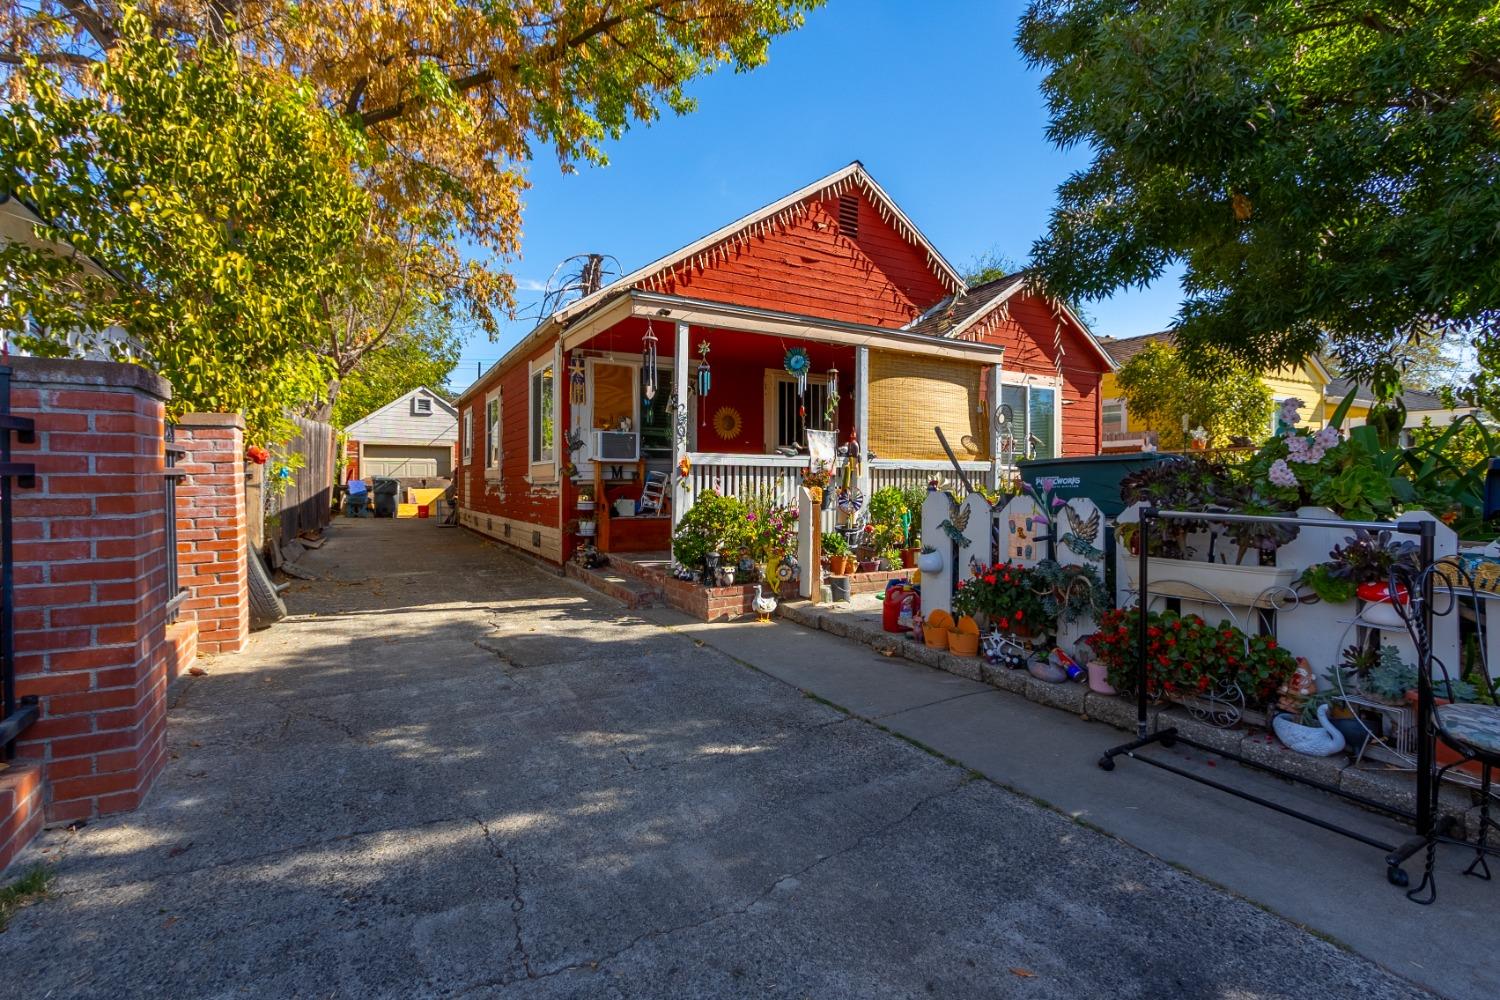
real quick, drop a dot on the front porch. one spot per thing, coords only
(725, 401)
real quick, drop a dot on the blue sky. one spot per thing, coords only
(932, 97)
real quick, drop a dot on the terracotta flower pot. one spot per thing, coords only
(869, 566)
(963, 643)
(935, 637)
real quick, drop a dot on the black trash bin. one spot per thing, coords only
(385, 491)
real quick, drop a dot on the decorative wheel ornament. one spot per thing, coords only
(727, 423)
(851, 500)
(797, 365)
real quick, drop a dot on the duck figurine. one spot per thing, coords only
(1322, 740)
(763, 606)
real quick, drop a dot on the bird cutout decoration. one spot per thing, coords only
(763, 606)
(956, 522)
(1081, 533)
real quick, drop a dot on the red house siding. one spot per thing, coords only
(810, 266)
(1030, 336)
(511, 508)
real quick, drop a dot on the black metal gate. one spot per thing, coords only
(15, 715)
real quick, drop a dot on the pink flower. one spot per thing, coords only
(1281, 474)
(1326, 438)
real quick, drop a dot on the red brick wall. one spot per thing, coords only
(21, 801)
(90, 570)
(211, 529)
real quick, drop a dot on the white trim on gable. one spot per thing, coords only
(404, 405)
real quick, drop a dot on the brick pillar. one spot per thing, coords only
(91, 580)
(212, 529)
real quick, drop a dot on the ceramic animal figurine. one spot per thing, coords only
(1321, 740)
(763, 606)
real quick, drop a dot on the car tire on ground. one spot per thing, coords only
(266, 605)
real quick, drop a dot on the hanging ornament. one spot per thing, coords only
(648, 363)
(578, 389)
(797, 365)
(831, 408)
(705, 377)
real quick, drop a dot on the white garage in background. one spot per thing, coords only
(411, 439)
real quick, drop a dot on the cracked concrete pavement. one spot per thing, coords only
(452, 774)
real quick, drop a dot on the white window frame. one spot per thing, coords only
(542, 469)
(1053, 382)
(421, 406)
(773, 378)
(1124, 415)
(494, 450)
(468, 435)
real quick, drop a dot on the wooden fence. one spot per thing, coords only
(308, 498)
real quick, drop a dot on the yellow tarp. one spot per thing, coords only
(419, 496)
(406, 510)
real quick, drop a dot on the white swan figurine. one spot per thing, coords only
(763, 606)
(1322, 740)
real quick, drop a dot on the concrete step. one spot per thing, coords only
(631, 592)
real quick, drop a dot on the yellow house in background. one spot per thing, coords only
(1309, 382)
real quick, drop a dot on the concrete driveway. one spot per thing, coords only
(453, 774)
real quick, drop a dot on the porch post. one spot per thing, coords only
(995, 471)
(862, 416)
(681, 495)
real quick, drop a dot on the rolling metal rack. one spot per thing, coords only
(1429, 826)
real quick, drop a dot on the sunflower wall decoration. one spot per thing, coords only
(727, 423)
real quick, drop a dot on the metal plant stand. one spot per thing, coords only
(1429, 827)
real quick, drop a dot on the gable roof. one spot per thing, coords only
(962, 310)
(1125, 348)
(419, 390)
(837, 183)
(1416, 400)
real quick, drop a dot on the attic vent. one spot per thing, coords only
(849, 215)
(421, 406)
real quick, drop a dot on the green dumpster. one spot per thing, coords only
(1096, 477)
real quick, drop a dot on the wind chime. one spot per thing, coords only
(648, 368)
(797, 364)
(705, 378)
(831, 409)
(577, 387)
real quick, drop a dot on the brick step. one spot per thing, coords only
(650, 573)
(630, 592)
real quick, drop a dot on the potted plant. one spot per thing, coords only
(816, 479)
(586, 527)
(930, 561)
(836, 548)
(1364, 567)
(1071, 593)
(892, 522)
(963, 637)
(585, 500)
(1008, 596)
(713, 525)
(935, 630)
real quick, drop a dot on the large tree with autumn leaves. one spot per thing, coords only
(446, 102)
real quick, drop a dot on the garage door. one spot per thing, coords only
(407, 462)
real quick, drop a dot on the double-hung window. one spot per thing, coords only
(492, 451)
(1115, 420)
(1034, 425)
(468, 435)
(541, 421)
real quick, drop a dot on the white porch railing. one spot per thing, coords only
(742, 475)
(906, 473)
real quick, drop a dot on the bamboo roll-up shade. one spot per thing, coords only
(909, 395)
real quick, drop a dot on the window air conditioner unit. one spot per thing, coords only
(617, 446)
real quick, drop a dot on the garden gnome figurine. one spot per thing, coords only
(1303, 684)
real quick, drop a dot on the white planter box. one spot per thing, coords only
(1242, 586)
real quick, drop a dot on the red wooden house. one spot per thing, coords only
(836, 274)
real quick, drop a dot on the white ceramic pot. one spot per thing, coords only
(586, 529)
(585, 505)
(930, 563)
(1382, 613)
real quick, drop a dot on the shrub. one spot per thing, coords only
(715, 523)
(890, 518)
(1187, 656)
